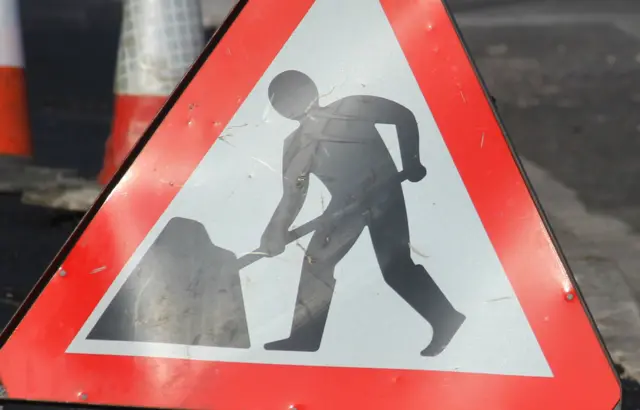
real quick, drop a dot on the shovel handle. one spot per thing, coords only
(312, 225)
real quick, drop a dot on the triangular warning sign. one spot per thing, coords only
(326, 215)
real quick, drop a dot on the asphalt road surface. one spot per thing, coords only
(566, 76)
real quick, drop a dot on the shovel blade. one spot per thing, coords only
(185, 290)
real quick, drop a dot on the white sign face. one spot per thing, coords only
(237, 187)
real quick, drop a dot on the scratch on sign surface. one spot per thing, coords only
(265, 164)
(498, 299)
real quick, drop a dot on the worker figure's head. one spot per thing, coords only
(293, 94)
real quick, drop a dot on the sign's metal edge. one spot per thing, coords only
(95, 208)
(535, 198)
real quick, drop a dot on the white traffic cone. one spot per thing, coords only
(159, 41)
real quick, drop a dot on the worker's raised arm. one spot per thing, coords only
(408, 138)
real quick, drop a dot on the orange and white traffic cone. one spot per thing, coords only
(17, 173)
(159, 41)
(15, 137)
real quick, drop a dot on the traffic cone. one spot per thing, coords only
(159, 41)
(17, 173)
(15, 138)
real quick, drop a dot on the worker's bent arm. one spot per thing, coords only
(408, 136)
(384, 111)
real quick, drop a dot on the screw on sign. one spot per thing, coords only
(339, 219)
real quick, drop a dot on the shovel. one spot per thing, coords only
(186, 290)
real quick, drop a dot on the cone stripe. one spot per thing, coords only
(160, 39)
(11, 53)
(14, 123)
